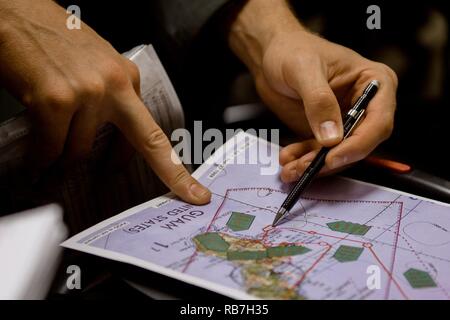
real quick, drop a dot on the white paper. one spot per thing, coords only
(30, 252)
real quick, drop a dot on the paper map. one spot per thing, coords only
(343, 240)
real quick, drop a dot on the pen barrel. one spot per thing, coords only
(309, 174)
(348, 125)
(365, 98)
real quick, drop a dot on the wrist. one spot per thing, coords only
(256, 26)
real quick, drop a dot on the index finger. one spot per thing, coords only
(146, 136)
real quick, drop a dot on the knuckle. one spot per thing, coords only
(180, 178)
(286, 176)
(321, 99)
(116, 75)
(60, 98)
(90, 88)
(299, 166)
(389, 72)
(284, 157)
(393, 75)
(377, 69)
(93, 89)
(155, 140)
(133, 71)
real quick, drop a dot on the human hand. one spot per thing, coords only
(73, 82)
(309, 82)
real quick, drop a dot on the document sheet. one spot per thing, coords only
(344, 239)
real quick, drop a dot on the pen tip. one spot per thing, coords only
(276, 220)
(376, 83)
(280, 214)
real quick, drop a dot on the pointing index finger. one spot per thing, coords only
(147, 137)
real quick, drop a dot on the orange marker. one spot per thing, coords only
(391, 165)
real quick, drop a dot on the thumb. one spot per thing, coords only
(321, 106)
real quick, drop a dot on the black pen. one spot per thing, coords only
(354, 115)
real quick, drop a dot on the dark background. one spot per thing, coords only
(413, 41)
(203, 70)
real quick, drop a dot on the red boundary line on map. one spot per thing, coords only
(365, 245)
(394, 251)
(192, 257)
(391, 277)
(315, 263)
(298, 283)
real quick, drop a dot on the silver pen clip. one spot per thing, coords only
(358, 119)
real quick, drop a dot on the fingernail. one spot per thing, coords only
(198, 190)
(329, 130)
(338, 162)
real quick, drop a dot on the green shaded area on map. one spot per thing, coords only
(257, 262)
(419, 279)
(246, 254)
(253, 250)
(285, 251)
(212, 241)
(240, 221)
(349, 227)
(347, 253)
(270, 252)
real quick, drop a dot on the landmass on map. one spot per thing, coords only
(257, 262)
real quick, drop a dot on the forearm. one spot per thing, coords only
(256, 25)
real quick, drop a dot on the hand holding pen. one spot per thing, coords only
(351, 120)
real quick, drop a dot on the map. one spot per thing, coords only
(344, 239)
